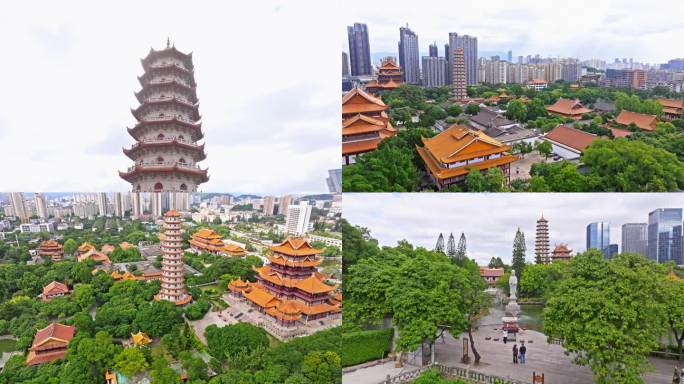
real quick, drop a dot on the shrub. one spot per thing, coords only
(361, 346)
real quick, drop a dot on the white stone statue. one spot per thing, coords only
(513, 284)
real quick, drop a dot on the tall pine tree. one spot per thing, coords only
(519, 253)
(461, 249)
(440, 244)
(451, 247)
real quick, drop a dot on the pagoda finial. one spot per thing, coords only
(168, 42)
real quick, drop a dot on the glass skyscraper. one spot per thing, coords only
(665, 235)
(598, 235)
(359, 50)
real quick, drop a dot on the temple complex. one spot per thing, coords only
(50, 343)
(389, 76)
(568, 108)
(641, 120)
(561, 252)
(172, 280)
(672, 108)
(52, 249)
(365, 124)
(453, 153)
(207, 240)
(54, 289)
(88, 251)
(541, 241)
(290, 290)
(167, 131)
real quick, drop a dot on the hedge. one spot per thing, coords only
(361, 346)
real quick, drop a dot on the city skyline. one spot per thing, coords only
(606, 30)
(491, 220)
(67, 102)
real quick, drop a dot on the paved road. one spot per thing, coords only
(375, 374)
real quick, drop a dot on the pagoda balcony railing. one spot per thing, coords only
(163, 164)
(166, 117)
(167, 98)
(164, 140)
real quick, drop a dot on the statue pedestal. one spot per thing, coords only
(513, 308)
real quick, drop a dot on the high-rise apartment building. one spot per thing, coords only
(408, 55)
(665, 235)
(598, 235)
(297, 221)
(434, 52)
(469, 46)
(359, 50)
(635, 238)
(41, 205)
(334, 180)
(571, 71)
(625, 78)
(284, 203)
(345, 64)
(434, 71)
(19, 206)
(269, 205)
(510, 56)
(102, 204)
(119, 208)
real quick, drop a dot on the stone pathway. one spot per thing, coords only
(542, 357)
(375, 374)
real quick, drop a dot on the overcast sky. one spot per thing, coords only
(490, 221)
(646, 31)
(267, 75)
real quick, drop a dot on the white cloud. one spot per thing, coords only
(490, 221)
(267, 76)
(582, 28)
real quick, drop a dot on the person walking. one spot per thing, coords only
(523, 350)
(515, 353)
(505, 336)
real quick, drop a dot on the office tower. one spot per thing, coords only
(598, 236)
(469, 46)
(433, 50)
(345, 64)
(119, 208)
(359, 50)
(297, 221)
(284, 203)
(334, 180)
(166, 152)
(172, 266)
(635, 238)
(19, 206)
(610, 251)
(665, 235)
(102, 204)
(520, 59)
(571, 72)
(510, 56)
(434, 71)
(541, 241)
(458, 76)
(41, 205)
(449, 59)
(408, 55)
(269, 205)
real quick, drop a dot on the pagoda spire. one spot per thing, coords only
(168, 42)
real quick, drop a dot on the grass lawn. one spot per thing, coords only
(219, 303)
(8, 345)
(272, 341)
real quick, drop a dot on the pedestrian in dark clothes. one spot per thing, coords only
(515, 354)
(523, 350)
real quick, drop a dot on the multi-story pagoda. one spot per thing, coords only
(167, 131)
(172, 280)
(541, 242)
(365, 124)
(290, 289)
(51, 249)
(389, 76)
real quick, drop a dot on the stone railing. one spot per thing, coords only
(451, 373)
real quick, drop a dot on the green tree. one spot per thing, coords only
(544, 148)
(70, 246)
(163, 374)
(536, 109)
(454, 110)
(606, 315)
(229, 341)
(130, 361)
(157, 318)
(472, 109)
(516, 110)
(519, 253)
(673, 299)
(84, 296)
(322, 367)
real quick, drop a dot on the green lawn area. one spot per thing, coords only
(218, 303)
(216, 287)
(272, 341)
(8, 345)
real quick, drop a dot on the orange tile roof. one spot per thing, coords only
(571, 137)
(107, 249)
(206, 233)
(568, 107)
(95, 255)
(126, 245)
(620, 132)
(55, 287)
(260, 297)
(172, 213)
(459, 143)
(296, 246)
(318, 309)
(53, 332)
(446, 173)
(361, 124)
(305, 262)
(357, 147)
(85, 247)
(491, 272)
(140, 338)
(676, 104)
(313, 285)
(234, 249)
(643, 121)
(359, 101)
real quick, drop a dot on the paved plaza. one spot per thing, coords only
(497, 360)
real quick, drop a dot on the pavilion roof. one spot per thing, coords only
(296, 246)
(568, 107)
(643, 121)
(571, 137)
(53, 332)
(55, 286)
(459, 143)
